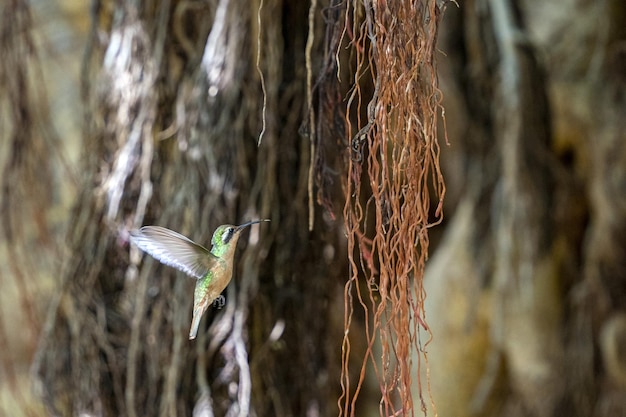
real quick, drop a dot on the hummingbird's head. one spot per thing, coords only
(224, 234)
(227, 233)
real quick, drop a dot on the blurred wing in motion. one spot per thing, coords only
(174, 249)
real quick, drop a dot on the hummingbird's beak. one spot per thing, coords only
(243, 226)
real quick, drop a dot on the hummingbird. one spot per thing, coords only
(213, 268)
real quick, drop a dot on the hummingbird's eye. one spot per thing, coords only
(228, 234)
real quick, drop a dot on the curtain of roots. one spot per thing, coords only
(393, 175)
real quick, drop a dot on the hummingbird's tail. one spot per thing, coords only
(195, 323)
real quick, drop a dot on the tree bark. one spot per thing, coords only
(173, 116)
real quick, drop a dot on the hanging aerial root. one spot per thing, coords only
(396, 154)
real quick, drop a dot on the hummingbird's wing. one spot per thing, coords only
(174, 249)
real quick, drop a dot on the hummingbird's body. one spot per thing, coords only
(213, 269)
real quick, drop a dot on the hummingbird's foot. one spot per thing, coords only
(219, 302)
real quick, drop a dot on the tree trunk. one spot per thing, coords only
(174, 108)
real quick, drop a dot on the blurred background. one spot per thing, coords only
(526, 278)
(36, 210)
